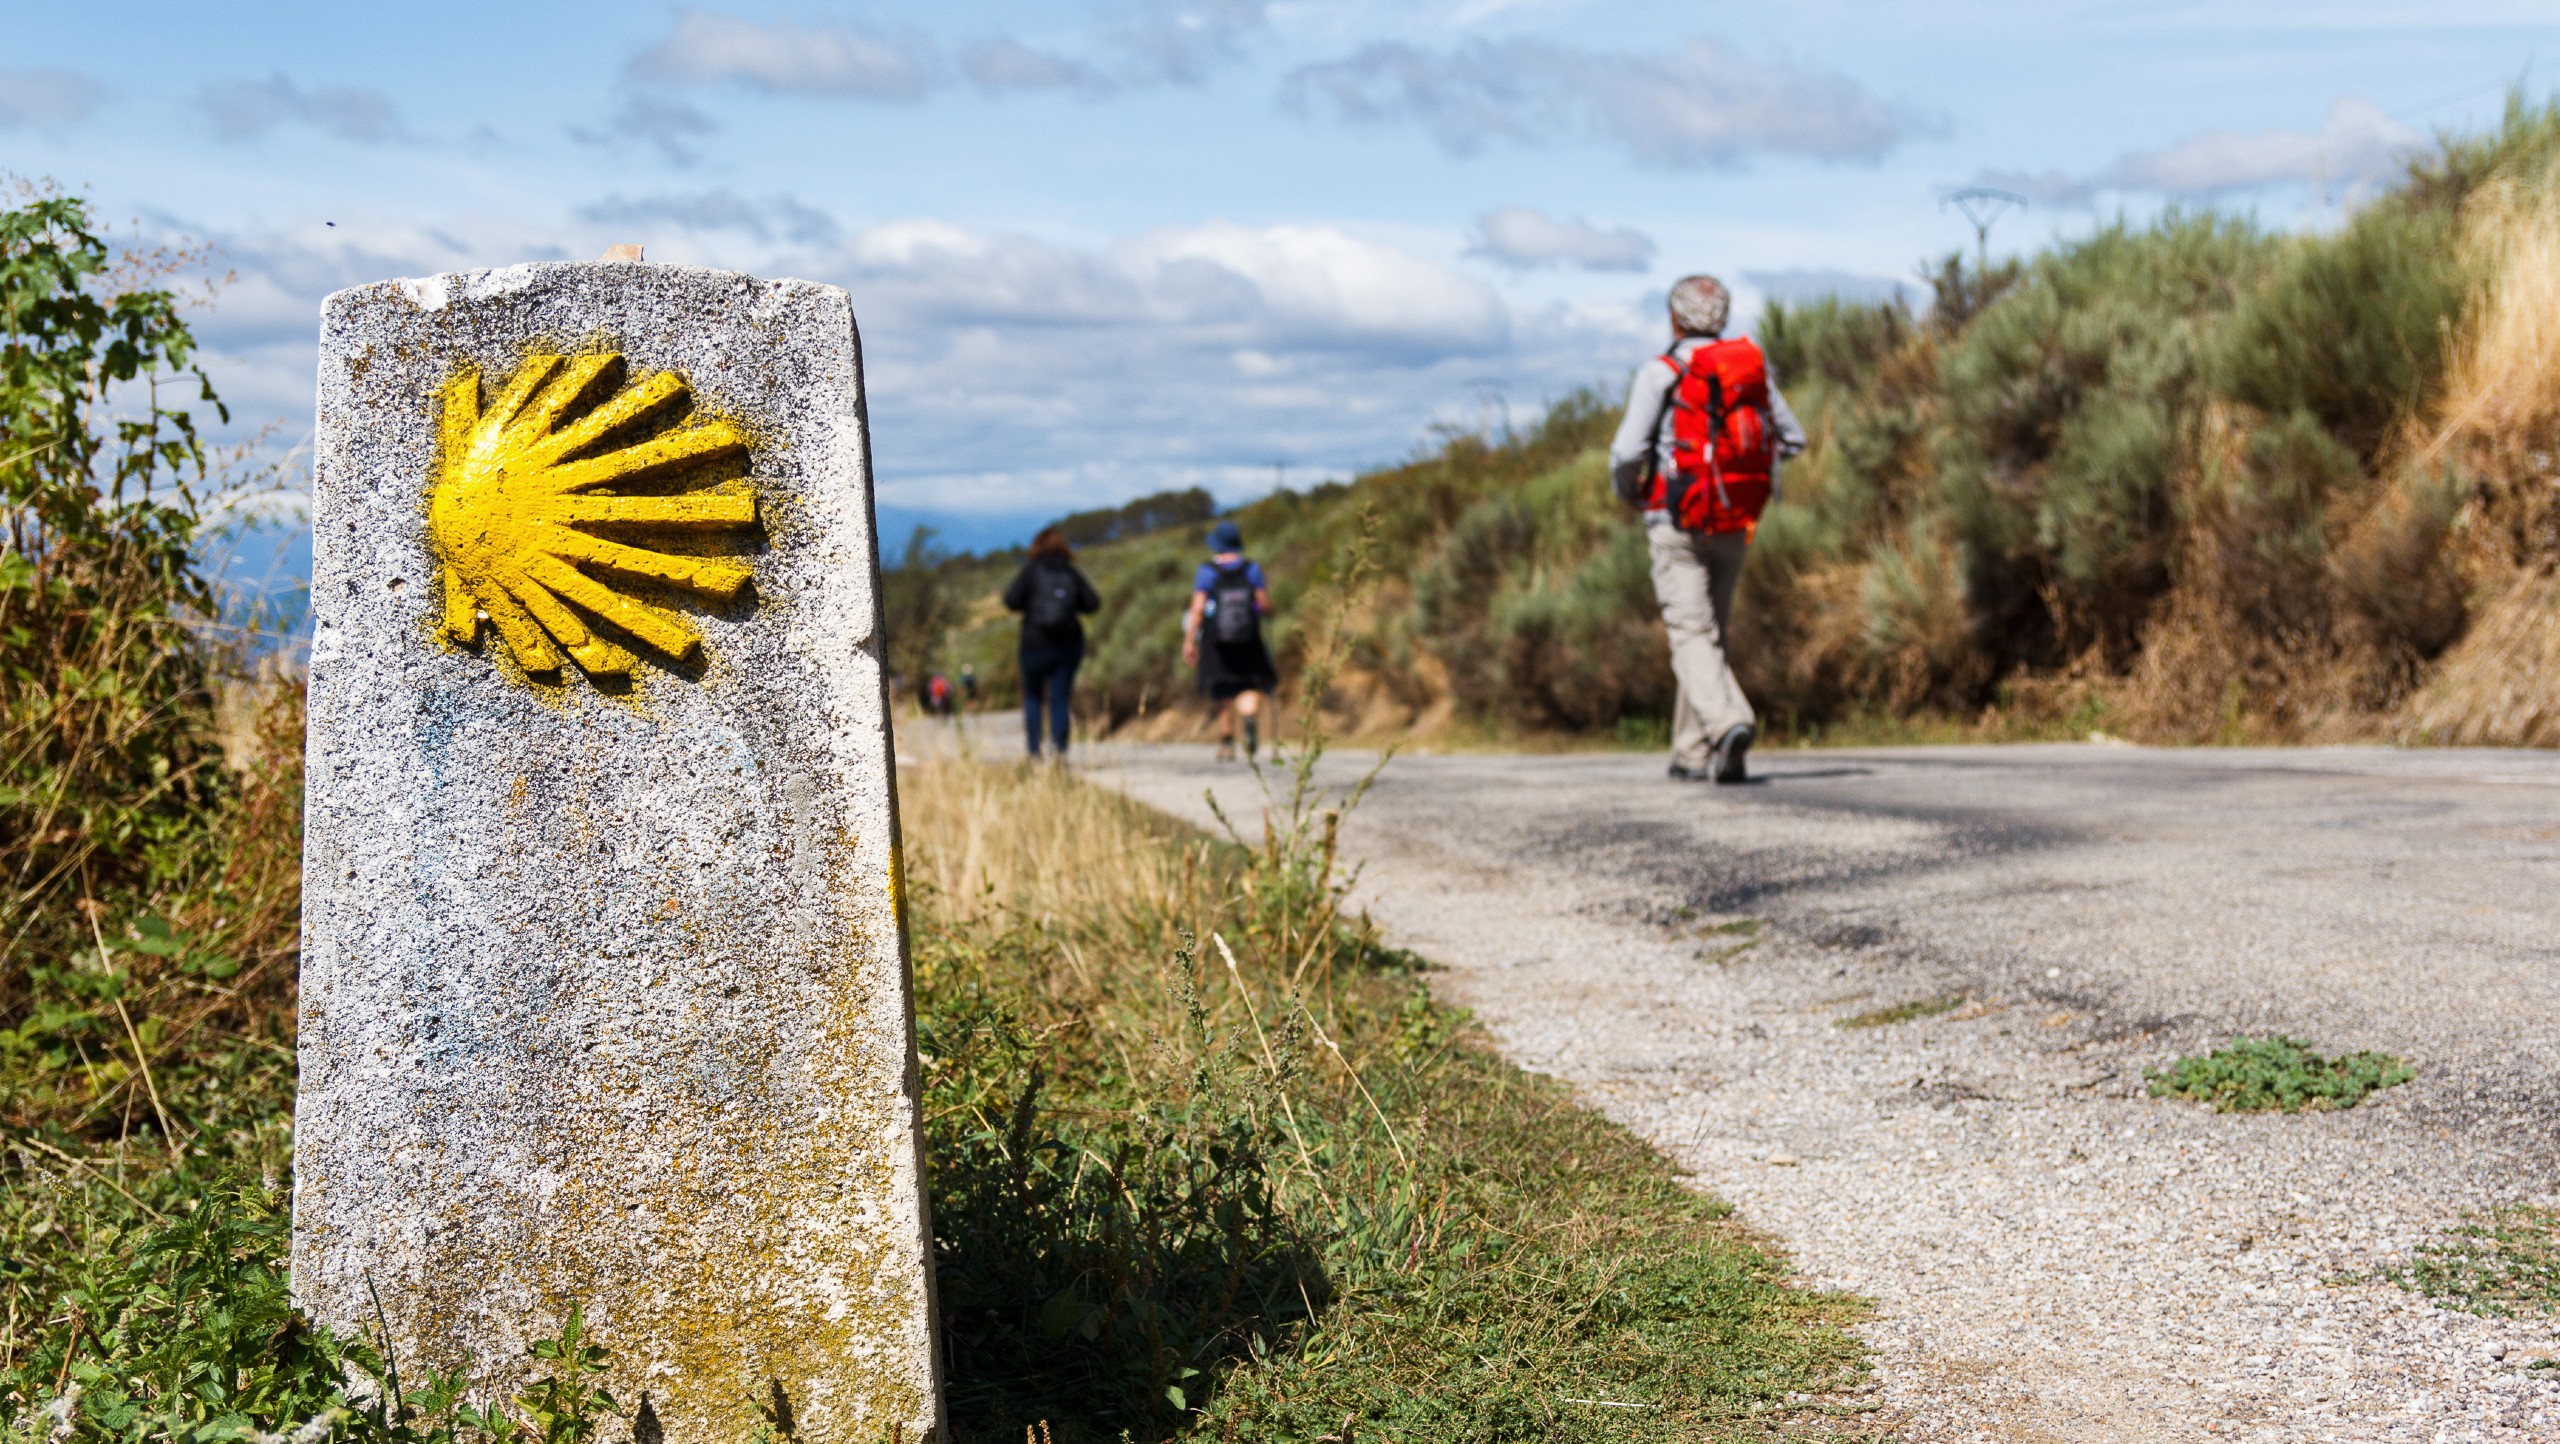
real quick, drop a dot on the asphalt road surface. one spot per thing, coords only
(2053, 1254)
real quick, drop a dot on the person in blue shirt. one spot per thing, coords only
(1222, 636)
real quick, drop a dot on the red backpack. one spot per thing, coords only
(1722, 445)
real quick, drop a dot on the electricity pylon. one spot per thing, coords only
(1983, 205)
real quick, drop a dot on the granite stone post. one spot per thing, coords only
(604, 984)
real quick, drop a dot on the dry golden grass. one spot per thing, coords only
(2503, 386)
(2500, 422)
(1032, 841)
(2500, 685)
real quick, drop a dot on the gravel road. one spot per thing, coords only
(2053, 1254)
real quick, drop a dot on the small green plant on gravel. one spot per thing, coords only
(1910, 1012)
(2503, 1264)
(2277, 1075)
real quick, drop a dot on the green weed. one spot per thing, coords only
(1911, 1012)
(2277, 1074)
(2504, 1264)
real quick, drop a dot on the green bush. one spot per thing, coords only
(104, 712)
(2068, 404)
(2351, 329)
(2278, 1075)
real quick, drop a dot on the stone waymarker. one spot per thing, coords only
(604, 987)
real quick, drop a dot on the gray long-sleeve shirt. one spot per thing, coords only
(1642, 448)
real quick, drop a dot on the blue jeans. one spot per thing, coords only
(1048, 675)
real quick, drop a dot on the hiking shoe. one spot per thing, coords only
(1730, 749)
(1687, 774)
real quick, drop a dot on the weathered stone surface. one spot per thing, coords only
(604, 987)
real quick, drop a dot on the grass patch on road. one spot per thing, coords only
(1911, 1012)
(2503, 1264)
(2278, 1074)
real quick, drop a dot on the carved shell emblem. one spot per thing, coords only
(549, 504)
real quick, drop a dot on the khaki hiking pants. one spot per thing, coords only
(1694, 577)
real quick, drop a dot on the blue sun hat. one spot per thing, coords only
(1224, 537)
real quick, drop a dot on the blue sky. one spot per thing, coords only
(1102, 249)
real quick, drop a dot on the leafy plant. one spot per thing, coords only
(2504, 1263)
(103, 744)
(2277, 1074)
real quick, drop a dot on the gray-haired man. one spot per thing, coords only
(1698, 452)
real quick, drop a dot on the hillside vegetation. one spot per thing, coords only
(2187, 480)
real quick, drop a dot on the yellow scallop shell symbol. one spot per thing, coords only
(521, 485)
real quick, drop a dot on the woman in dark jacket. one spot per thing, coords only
(1051, 595)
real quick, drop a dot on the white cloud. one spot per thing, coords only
(782, 216)
(1177, 357)
(706, 48)
(1178, 42)
(2359, 145)
(1701, 105)
(250, 109)
(46, 97)
(2045, 187)
(1814, 284)
(1004, 63)
(2359, 142)
(1316, 285)
(669, 125)
(1523, 239)
(1014, 374)
(1152, 43)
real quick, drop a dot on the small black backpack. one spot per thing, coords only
(1231, 610)
(1053, 601)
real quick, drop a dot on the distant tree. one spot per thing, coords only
(1957, 293)
(919, 605)
(1137, 518)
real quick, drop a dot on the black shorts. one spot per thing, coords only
(1230, 669)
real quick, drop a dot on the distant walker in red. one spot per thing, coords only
(1697, 453)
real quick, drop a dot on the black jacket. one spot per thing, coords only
(1045, 573)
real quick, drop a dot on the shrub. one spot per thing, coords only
(104, 741)
(2067, 406)
(2351, 329)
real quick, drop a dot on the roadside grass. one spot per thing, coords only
(1910, 1012)
(2502, 1264)
(2277, 1075)
(1209, 1163)
(1174, 1196)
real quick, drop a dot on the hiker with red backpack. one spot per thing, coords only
(1222, 636)
(1697, 452)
